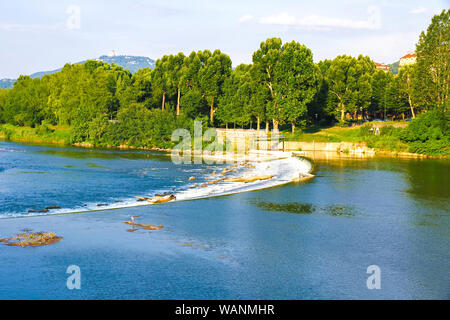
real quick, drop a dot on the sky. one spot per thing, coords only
(39, 35)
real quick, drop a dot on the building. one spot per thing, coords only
(383, 67)
(112, 54)
(408, 59)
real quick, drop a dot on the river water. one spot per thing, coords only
(311, 240)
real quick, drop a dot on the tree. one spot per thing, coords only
(317, 108)
(395, 100)
(193, 103)
(3, 98)
(289, 73)
(260, 98)
(26, 102)
(264, 61)
(213, 73)
(138, 90)
(160, 78)
(191, 69)
(98, 127)
(406, 78)
(433, 62)
(235, 97)
(296, 82)
(380, 82)
(349, 80)
(192, 98)
(175, 75)
(429, 133)
(226, 112)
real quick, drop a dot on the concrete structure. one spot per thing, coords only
(112, 53)
(408, 59)
(383, 67)
(246, 140)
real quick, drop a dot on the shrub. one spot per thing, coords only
(390, 131)
(429, 134)
(366, 130)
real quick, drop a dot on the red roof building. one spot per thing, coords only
(409, 58)
(382, 66)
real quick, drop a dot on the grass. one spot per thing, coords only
(388, 139)
(41, 134)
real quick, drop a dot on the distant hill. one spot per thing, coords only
(7, 83)
(132, 63)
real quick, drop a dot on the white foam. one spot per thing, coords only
(283, 171)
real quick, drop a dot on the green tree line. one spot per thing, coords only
(282, 87)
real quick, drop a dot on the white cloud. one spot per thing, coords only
(246, 18)
(386, 48)
(419, 10)
(316, 22)
(283, 18)
(28, 27)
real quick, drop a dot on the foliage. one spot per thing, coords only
(433, 62)
(104, 105)
(429, 133)
(349, 81)
(42, 133)
(290, 74)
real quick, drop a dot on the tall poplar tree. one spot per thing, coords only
(433, 62)
(213, 73)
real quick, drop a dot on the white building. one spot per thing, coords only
(410, 58)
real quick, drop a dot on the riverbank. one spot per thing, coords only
(56, 135)
(336, 142)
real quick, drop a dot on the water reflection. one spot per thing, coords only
(108, 155)
(306, 208)
(428, 178)
(291, 207)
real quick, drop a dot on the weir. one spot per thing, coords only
(283, 168)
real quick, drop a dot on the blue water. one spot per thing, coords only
(256, 245)
(35, 177)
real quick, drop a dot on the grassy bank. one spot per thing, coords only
(58, 135)
(61, 135)
(388, 138)
(41, 134)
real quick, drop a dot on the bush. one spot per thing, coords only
(366, 130)
(43, 130)
(139, 127)
(7, 133)
(391, 131)
(428, 134)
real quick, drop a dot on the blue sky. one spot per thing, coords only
(38, 35)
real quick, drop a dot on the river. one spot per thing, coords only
(310, 240)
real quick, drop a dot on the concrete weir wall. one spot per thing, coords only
(327, 146)
(254, 140)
